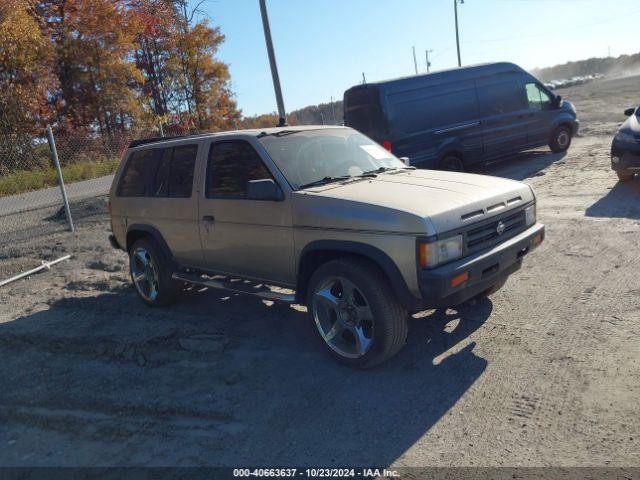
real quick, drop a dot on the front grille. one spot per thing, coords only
(485, 235)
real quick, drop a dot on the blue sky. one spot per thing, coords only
(324, 46)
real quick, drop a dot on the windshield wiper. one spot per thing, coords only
(379, 170)
(387, 169)
(280, 133)
(324, 181)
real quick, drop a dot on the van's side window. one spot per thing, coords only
(499, 98)
(136, 179)
(174, 176)
(230, 166)
(538, 99)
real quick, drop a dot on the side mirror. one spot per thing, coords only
(558, 101)
(406, 161)
(265, 189)
(629, 111)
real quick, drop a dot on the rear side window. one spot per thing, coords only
(136, 179)
(230, 166)
(499, 98)
(159, 172)
(174, 175)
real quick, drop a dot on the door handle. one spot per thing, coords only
(208, 219)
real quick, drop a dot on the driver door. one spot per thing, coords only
(540, 108)
(248, 238)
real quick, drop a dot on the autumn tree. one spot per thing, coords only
(111, 65)
(25, 77)
(99, 81)
(156, 41)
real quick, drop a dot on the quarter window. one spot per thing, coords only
(139, 171)
(230, 166)
(160, 172)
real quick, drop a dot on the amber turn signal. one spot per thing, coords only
(537, 240)
(458, 279)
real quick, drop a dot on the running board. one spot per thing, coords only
(263, 293)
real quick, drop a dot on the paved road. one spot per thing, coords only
(52, 196)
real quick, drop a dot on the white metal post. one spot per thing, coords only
(56, 162)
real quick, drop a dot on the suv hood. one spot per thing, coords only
(409, 201)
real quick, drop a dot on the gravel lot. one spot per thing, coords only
(547, 373)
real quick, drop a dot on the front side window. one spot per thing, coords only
(307, 156)
(231, 165)
(538, 99)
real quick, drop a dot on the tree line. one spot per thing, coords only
(622, 65)
(107, 66)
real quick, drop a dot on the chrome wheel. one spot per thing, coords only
(343, 317)
(144, 274)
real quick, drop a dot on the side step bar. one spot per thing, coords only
(234, 287)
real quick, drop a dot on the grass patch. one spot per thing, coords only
(28, 180)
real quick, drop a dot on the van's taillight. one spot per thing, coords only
(387, 145)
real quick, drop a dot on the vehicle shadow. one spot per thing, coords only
(622, 201)
(520, 166)
(220, 380)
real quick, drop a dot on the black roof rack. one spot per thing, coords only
(144, 141)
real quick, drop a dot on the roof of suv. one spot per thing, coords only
(254, 132)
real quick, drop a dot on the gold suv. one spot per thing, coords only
(353, 232)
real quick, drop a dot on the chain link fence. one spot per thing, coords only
(31, 200)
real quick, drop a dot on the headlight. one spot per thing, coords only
(625, 137)
(530, 215)
(440, 251)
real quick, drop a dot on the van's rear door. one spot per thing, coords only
(363, 111)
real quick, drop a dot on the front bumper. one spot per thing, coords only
(485, 269)
(626, 160)
(575, 126)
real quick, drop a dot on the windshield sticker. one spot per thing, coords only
(376, 152)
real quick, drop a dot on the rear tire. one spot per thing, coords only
(625, 175)
(359, 320)
(452, 163)
(560, 139)
(151, 272)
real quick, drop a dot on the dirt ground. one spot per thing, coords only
(546, 373)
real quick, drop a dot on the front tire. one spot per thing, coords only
(625, 175)
(151, 272)
(560, 139)
(360, 321)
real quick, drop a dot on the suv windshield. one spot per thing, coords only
(326, 154)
